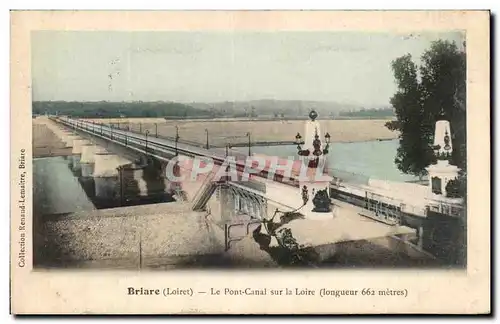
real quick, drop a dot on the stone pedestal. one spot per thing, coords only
(439, 176)
(318, 205)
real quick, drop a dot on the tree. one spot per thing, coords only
(414, 152)
(444, 87)
(457, 188)
(253, 113)
(288, 252)
(417, 105)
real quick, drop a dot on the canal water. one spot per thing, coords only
(371, 159)
(58, 190)
(55, 189)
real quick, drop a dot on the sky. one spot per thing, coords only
(345, 67)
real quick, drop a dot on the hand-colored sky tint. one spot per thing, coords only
(347, 67)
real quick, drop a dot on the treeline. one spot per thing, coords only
(105, 109)
(369, 113)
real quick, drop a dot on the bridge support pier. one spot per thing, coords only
(87, 159)
(143, 184)
(445, 237)
(58, 131)
(68, 139)
(420, 237)
(132, 181)
(78, 143)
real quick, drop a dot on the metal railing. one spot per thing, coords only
(206, 190)
(163, 150)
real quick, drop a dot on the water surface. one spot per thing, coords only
(374, 159)
(55, 189)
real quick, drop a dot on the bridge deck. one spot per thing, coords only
(163, 149)
(346, 225)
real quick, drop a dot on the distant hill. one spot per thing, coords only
(105, 109)
(269, 107)
(265, 108)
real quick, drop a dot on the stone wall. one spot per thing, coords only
(72, 239)
(159, 236)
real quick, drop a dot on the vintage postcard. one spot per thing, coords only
(237, 162)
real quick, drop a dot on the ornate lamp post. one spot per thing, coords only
(249, 143)
(442, 172)
(176, 139)
(313, 149)
(299, 142)
(316, 144)
(446, 155)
